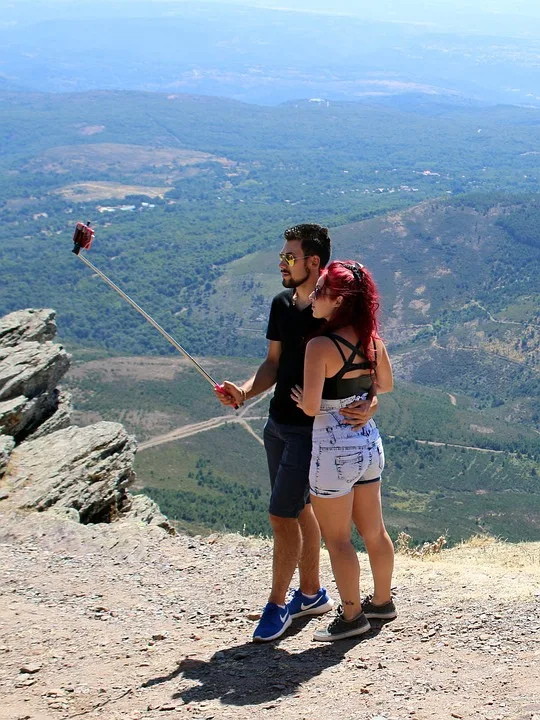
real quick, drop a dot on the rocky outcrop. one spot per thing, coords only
(143, 508)
(87, 469)
(45, 463)
(30, 371)
(27, 325)
(7, 444)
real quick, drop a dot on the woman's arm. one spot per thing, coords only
(383, 372)
(314, 374)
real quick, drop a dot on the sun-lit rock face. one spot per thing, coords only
(27, 325)
(46, 464)
(31, 366)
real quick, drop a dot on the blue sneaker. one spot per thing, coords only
(273, 623)
(300, 604)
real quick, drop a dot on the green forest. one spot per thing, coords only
(189, 197)
(261, 170)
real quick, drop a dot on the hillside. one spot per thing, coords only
(460, 303)
(179, 187)
(121, 621)
(459, 287)
(452, 468)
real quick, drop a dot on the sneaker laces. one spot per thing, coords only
(272, 609)
(338, 619)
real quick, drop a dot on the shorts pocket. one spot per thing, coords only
(350, 468)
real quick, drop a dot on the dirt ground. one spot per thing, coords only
(123, 621)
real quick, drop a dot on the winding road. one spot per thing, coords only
(242, 419)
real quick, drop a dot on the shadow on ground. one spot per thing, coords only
(252, 674)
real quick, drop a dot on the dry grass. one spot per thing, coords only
(477, 550)
(108, 190)
(481, 549)
(403, 546)
(478, 568)
(133, 368)
(128, 158)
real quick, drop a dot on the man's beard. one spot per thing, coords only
(288, 282)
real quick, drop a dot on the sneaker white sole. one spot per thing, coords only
(258, 638)
(315, 611)
(381, 616)
(325, 636)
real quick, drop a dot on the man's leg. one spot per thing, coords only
(296, 543)
(296, 533)
(285, 504)
(308, 563)
(287, 545)
(288, 451)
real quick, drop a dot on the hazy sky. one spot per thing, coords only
(518, 18)
(419, 7)
(392, 7)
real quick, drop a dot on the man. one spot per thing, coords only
(287, 434)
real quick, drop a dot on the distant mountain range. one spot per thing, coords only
(269, 56)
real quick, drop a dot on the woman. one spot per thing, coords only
(344, 362)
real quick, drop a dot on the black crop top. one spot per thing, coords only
(338, 387)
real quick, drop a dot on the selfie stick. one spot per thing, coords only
(82, 239)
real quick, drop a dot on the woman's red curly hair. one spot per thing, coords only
(360, 304)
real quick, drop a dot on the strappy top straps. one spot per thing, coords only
(348, 363)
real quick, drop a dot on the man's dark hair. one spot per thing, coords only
(314, 238)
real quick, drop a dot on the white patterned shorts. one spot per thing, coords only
(341, 457)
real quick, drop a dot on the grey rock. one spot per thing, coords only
(67, 513)
(143, 508)
(30, 668)
(25, 325)
(59, 420)
(87, 469)
(7, 444)
(31, 369)
(78, 474)
(21, 416)
(12, 414)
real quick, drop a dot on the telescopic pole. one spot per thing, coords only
(152, 322)
(82, 240)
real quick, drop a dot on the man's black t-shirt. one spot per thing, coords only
(291, 327)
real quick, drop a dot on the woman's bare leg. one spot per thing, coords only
(334, 517)
(367, 516)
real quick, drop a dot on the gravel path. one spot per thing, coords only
(123, 621)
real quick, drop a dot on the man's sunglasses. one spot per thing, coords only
(290, 259)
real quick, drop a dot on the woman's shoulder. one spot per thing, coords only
(320, 343)
(379, 344)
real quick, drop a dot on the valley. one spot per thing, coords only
(189, 214)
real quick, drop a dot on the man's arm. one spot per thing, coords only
(263, 379)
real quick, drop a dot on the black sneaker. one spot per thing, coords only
(378, 612)
(339, 628)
